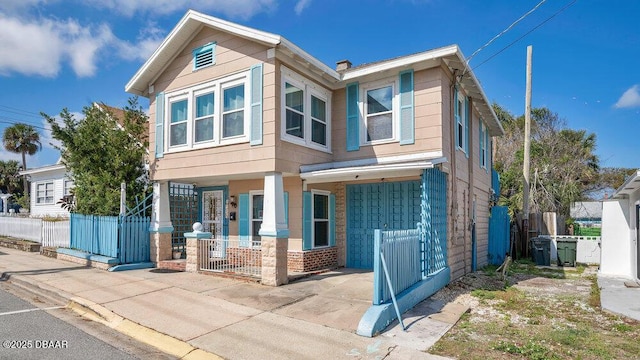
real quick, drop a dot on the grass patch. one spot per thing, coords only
(521, 323)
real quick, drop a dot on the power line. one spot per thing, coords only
(505, 30)
(21, 122)
(19, 111)
(525, 34)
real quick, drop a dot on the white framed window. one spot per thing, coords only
(321, 225)
(484, 158)
(460, 122)
(68, 186)
(44, 193)
(210, 114)
(305, 112)
(379, 108)
(256, 206)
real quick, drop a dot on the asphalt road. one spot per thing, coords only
(42, 329)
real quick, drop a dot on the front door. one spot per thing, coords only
(213, 212)
(385, 206)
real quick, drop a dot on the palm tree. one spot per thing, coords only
(22, 139)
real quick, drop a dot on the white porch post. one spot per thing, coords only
(160, 227)
(274, 232)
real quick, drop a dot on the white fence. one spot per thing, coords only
(48, 233)
(21, 228)
(56, 234)
(587, 248)
(240, 257)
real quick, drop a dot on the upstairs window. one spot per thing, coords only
(379, 114)
(204, 56)
(305, 112)
(460, 121)
(209, 114)
(484, 146)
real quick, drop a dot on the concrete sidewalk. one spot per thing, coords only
(196, 316)
(618, 298)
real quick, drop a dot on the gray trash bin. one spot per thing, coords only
(540, 250)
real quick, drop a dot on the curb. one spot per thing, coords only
(98, 313)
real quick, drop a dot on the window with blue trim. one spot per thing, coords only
(483, 145)
(204, 56)
(320, 218)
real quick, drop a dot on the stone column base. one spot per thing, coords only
(192, 255)
(160, 246)
(274, 261)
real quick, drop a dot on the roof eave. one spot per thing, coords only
(631, 185)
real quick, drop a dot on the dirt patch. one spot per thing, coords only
(535, 313)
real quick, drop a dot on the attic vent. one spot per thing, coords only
(204, 56)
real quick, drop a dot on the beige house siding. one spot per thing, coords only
(428, 123)
(233, 55)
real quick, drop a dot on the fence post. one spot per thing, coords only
(378, 282)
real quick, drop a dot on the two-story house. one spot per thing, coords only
(301, 162)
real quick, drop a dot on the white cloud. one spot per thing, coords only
(301, 5)
(237, 9)
(630, 98)
(40, 47)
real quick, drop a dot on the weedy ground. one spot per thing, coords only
(535, 313)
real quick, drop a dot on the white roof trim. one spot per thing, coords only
(303, 54)
(372, 161)
(43, 169)
(370, 172)
(399, 62)
(629, 187)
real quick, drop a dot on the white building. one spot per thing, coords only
(49, 184)
(620, 231)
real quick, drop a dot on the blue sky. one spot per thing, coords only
(57, 54)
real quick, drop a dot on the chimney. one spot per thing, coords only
(343, 65)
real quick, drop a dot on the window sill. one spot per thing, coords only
(301, 142)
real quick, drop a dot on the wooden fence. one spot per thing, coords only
(56, 234)
(21, 228)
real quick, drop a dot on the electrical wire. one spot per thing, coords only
(505, 30)
(525, 34)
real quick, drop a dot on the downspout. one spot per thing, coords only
(454, 178)
(470, 207)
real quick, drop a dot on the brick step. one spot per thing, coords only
(49, 252)
(176, 265)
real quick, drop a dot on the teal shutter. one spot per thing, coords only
(159, 125)
(332, 220)
(243, 219)
(286, 208)
(467, 115)
(255, 137)
(455, 115)
(307, 221)
(353, 118)
(407, 119)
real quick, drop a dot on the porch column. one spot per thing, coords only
(161, 227)
(193, 254)
(274, 232)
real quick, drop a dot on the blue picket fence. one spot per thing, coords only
(499, 234)
(401, 251)
(122, 237)
(413, 255)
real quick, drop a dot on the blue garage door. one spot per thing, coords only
(389, 206)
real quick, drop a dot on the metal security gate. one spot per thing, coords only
(386, 206)
(183, 205)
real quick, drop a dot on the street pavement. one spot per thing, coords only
(196, 316)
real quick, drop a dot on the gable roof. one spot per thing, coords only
(192, 22)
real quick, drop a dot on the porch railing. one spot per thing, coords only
(401, 252)
(230, 255)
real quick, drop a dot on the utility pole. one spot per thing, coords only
(527, 155)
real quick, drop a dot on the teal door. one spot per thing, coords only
(387, 206)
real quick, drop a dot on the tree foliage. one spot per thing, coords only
(22, 139)
(100, 153)
(10, 178)
(564, 167)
